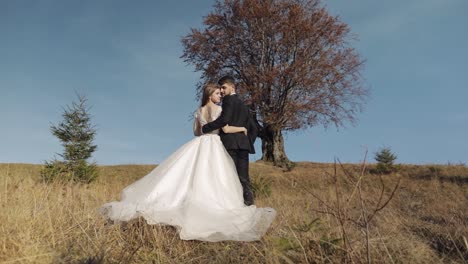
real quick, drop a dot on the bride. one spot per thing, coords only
(196, 189)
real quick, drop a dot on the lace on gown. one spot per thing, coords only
(203, 117)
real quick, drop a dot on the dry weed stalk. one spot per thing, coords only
(343, 209)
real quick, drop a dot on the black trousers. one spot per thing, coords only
(241, 159)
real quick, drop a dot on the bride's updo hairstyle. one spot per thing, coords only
(208, 90)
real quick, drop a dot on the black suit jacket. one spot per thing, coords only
(234, 113)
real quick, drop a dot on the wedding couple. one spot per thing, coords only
(203, 188)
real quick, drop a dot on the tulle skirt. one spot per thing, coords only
(196, 190)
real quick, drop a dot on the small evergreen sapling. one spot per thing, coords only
(385, 159)
(76, 134)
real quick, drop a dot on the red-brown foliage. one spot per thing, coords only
(292, 59)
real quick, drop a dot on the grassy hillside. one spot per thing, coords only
(326, 214)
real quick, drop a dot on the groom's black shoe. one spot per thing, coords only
(248, 197)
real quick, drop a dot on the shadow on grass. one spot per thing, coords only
(460, 180)
(445, 245)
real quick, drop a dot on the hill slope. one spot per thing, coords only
(321, 218)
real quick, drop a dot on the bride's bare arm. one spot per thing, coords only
(196, 127)
(233, 129)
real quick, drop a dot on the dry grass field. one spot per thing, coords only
(327, 213)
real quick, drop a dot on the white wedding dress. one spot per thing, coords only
(197, 190)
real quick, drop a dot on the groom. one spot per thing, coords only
(238, 145)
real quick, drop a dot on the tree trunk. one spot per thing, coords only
(273, 148)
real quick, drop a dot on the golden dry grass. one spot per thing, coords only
(426, 222)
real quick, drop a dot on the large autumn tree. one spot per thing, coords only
(293, 62)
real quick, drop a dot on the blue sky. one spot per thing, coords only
(124, 55)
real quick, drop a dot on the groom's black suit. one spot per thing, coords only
(238, 145)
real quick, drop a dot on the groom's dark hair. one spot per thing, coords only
(227, 79)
